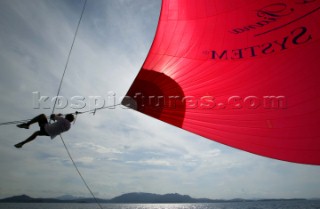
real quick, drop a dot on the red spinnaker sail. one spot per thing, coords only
(244, 73)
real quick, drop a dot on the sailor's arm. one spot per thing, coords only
(55, 116)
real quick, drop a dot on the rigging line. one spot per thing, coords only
(55, 102)
(76, 167)
(67, 63)
(14, 122)
(96, 109)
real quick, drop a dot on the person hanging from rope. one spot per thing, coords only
(46, 129)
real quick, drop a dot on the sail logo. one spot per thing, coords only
(266, 37)
(273, 13)
(296, 37)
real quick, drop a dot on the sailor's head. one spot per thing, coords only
(70, 117)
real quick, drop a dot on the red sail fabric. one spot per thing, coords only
(244, 73)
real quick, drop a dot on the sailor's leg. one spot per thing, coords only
(31, 138)
(38, 119)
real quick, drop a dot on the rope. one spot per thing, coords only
(67, 63)
(14, 122)
(76, 167)
(94, 110)
(55, 102)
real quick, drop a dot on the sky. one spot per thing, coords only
(117, 150)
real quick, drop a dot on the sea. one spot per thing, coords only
(234, 205)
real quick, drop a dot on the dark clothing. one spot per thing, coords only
(42, 121)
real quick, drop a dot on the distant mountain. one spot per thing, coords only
(20, 198)
(26, 198)
(152, 198)
(68, 197)
(129, 198)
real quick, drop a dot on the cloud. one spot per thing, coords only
(98, 148)
(85, 160)
(151, 162)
